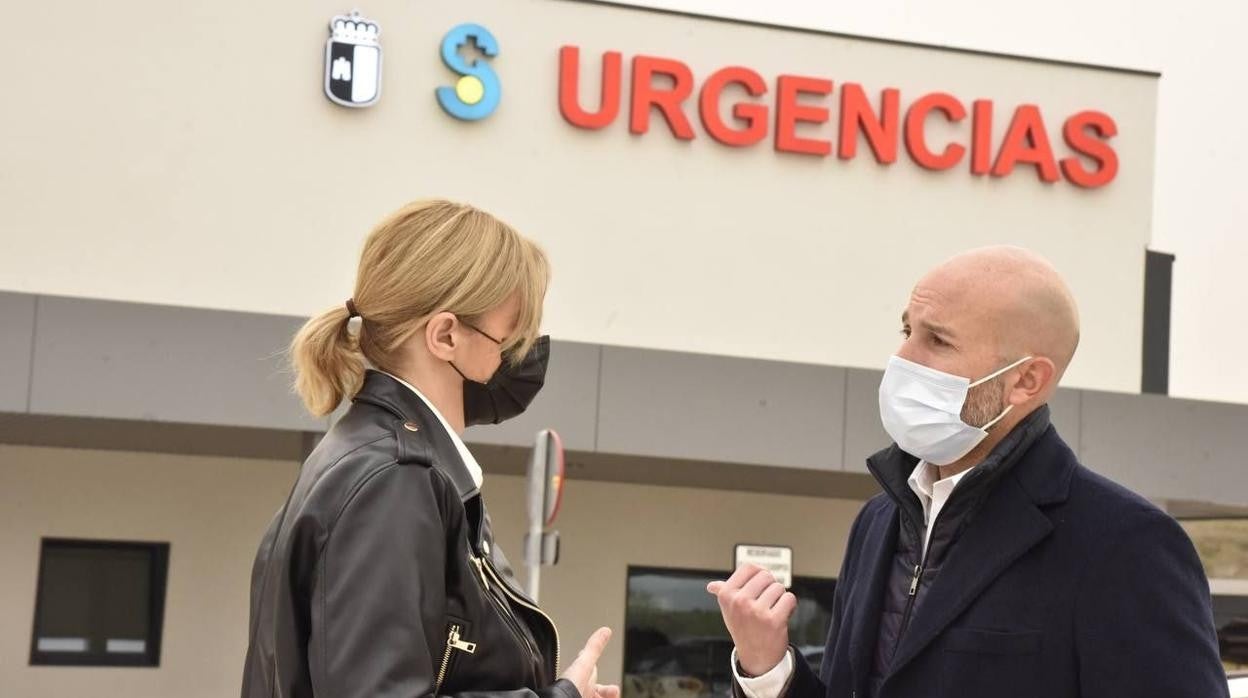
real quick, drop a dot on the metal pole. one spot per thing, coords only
(537, 512)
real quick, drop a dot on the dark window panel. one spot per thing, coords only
(99, 603)
(675, 642)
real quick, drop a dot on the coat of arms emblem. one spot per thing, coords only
(353, 61)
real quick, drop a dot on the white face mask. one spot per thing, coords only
(921, 408)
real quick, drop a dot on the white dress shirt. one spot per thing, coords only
(769, 685)
(469, 461)
(934, 494)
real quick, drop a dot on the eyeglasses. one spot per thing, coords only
(482, 332)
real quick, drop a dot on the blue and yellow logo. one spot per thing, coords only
(476, 94)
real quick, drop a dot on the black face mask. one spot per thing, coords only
(509, 391)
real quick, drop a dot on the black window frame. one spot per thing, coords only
(158, 578)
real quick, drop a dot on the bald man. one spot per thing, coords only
(993, 565)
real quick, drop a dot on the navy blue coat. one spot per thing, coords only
(1064, 584)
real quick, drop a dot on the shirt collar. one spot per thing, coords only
(925, 481)
(465, 455)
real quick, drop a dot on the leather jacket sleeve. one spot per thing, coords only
(379, 599)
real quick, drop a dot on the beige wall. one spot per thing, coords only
(206, 137)
(213, 510)
(210, 510)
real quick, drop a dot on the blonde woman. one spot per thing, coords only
(380, 577)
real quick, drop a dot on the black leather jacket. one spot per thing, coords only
(380, 578)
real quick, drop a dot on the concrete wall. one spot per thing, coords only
(84, 358)
(136, 363)
(210, 511)
(199, 164)
(213, 510)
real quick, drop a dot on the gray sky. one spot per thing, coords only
(1200, 207)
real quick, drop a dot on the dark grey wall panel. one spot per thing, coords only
(123, 361)
(17, 332)
(568, 403)
(130, 361)
(864, 434)
(678, 405)
(1168, 449)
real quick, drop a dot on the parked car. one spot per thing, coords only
(1239, 684)
(690, 668)
(1233, 641)
(813, 655)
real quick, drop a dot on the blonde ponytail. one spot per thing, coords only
(327, 360)
(428, 257)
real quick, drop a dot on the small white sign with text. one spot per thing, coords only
(777, 559)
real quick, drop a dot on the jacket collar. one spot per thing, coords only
(429, 441)
(1050, 468)
(892, 467)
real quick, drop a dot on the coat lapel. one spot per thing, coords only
(1008, 525)
(867, 599)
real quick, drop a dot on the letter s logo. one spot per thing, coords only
(476, 94)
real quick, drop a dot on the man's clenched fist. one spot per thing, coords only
(756, 610)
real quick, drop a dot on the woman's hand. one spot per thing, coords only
(584, 670)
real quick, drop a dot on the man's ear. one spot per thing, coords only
(1035, 378)
(440, 337)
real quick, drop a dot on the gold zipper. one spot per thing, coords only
(518, 599)
(504, 609)
(480, 569)
(453, 642)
